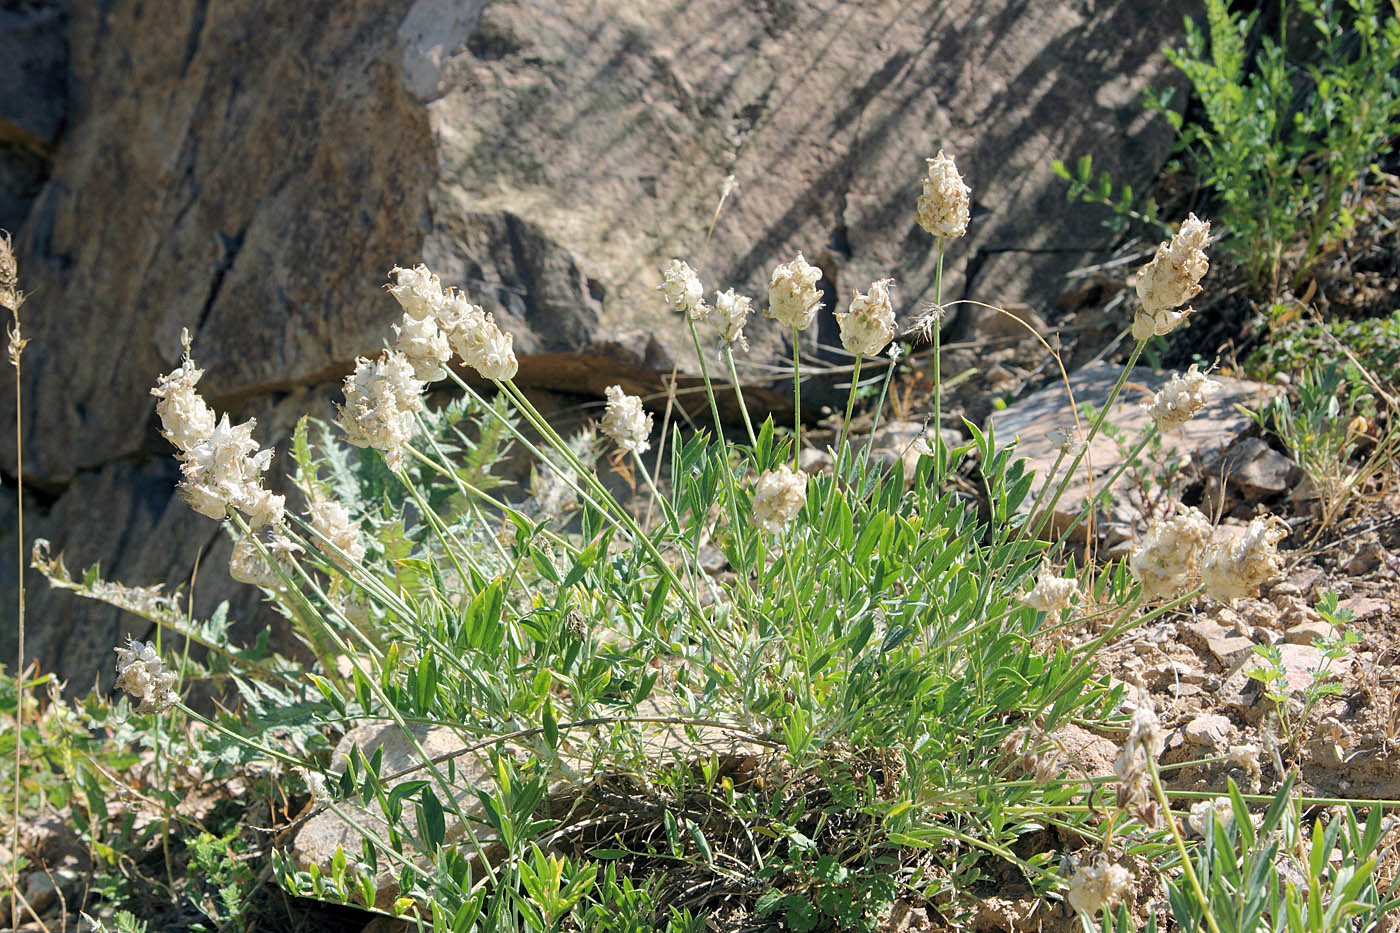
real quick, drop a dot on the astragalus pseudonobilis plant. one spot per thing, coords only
(893, 662)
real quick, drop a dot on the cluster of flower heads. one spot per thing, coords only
(1171, 279)
(1238, 566)
(777, 498)
(221, 463)
(1097, 885)
(1186, 394)
(142, 673)
(381, 397)
(626, 421)
(1051, 593)
(469, 331)
(1168, 558)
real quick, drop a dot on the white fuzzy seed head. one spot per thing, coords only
(142, 673)
(732, 311)
(626, 421)
(418, 290)
(1171, 279)
(1096, 886)
(481, 344)
(682, 289)
(793, 298)
(778, 497)
(1237, 567)
(380, 399)
(1183, 396)
(424, 345)
(868, 325)
(1169, 556)
(1051, 593)
(331, 520)
(943, 208)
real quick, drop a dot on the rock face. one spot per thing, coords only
(251, 169)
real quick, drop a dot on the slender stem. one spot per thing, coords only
(1177, 841)
(938, 453)
(19, 664)
(799, 624)
(796, 399)
(739, 393)
(880, 406)
(705, 374)
(846, 422)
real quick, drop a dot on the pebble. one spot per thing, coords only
(1211, 731)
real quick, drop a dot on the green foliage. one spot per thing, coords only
(1293, 345)
(1085, 188)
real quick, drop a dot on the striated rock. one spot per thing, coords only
(251, 169)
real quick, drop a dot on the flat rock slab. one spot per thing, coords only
(1038, 421)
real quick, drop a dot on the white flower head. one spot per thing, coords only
(425, 346)
(330, 519)
(418, 290)
(1051, 593)
(380, 399)
(1171, 279)
(185, 418)
(777, 498)
(1183, 396)
(479, 342)
(142, 673)
(1237, 567)
(793, 298)
(732, 310)
(682, 289)
(868, 325)
(1097, 885)
(248, 565)
(943, 208)
(1203, 811)
(626, 421)
(223, 471)
(1169, 556)
(315, 785)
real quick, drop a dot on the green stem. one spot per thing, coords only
(796, 400)
(846, 422)
(705, 374)
(939, 457)
(1180, 845)
(880, 407)
(739, 394)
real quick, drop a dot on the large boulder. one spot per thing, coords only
(250, 169)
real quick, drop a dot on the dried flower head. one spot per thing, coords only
(1097, 885)
(1169, 556)
(10, 296)
(778, 497)
(732, 310)
(186, 420)
(478, 341)
(1238, 566)
(247, 564)
(1203, 811)
(1246, 757)
(793, 298)
(331, 520)
(424, 345)
(1142, 747)
(418, 290)
(380, 399)
(142, 673)
(1183, 396)
(1051, 593)
(315, 786)
(943, 205)
(682, 289)
(626, 421)
(1171, 279)
(868, 325)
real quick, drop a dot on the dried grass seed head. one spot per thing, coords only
(793, 297)
(868, 324)
(1168, 558)
(777, 498)
(732, 311)
(943, 208)
(1183, 396)
(10, 296)
(1239, 566)
(380, 399)
(626, 421)
(682, 289)
(142, 673)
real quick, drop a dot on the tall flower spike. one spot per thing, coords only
(1237, 567)
(682, 289)
(733, 309)
(380, 399)
(943, 208)
(1181, 398)
(1169, 557)
(626, 421)
(1171, 279)
(778, 497)
(793, 298)
(868, 325)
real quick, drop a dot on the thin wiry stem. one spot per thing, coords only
(796, 400)
(12, 298)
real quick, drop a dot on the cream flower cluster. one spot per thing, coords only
(1169, 556)
(221, 462)
(1203, 811)
(1171, 279)
(142, 673)
(778, 497)
(248, 565)
(868, 325)
(793, 298)
(1186, 394)
(380, 399)
(331, 520)
(1051, 593)
(1237, 567)
(1144, 744)
(1097, 885)
(732, 310)
(682, 289)
(471, 332)
(943, 206)
(626, 421)
(424, 345)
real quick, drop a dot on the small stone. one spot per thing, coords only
(1364, 607)
(1256, 469)
(1210, 731)
(1305, 633)
(40, 891)
(1221, 643)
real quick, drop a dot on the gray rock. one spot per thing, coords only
(1226, 646)
(1211, 731)
(34, 71)
(1254, 468)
